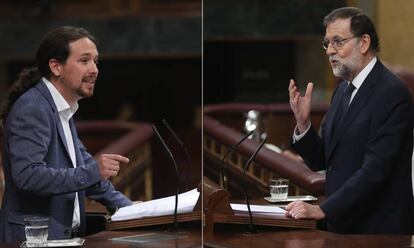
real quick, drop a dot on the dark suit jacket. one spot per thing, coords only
(367, 159)
(40, 177)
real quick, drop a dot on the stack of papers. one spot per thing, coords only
(159, 207)
(260, 209)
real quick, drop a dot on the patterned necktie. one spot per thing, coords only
(343, 105)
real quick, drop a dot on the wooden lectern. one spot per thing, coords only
(217, 209)
(195, 215)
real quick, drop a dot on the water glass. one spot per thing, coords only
(279, 189)
(36, 229)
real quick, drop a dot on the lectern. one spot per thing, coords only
(217, 209)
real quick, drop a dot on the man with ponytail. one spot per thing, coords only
(47, 170)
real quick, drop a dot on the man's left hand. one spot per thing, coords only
(303, 210)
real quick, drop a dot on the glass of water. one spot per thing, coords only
(36, 229)
(279, 189)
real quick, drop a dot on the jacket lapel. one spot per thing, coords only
(359, 101)
(330, 115)
(42, 88)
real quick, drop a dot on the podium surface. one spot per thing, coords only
(236, 236)
(187, 237)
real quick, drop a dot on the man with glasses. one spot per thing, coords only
(366, 140)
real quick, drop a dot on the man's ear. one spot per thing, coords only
(55, 67)
(365, 42)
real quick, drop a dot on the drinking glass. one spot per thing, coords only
(36, 229)
(279, 189)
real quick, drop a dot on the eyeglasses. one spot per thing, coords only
(336, 42)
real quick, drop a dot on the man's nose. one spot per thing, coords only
(330, 50)
(94, 68)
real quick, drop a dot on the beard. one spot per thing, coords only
(85, 91)
(346, 68)
(342, 71)
(87, 87)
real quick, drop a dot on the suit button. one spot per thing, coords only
(66, 232)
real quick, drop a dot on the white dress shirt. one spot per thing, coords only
(65, 113)
(357, 82)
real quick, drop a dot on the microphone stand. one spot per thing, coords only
(251, 228)
(181, 143)
(228, 152)
(168, 152)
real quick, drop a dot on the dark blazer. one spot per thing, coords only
(367, 159)
(40, 177)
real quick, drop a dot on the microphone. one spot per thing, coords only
(168, 152)
(181, 143)
(228, 152)
(244, 184)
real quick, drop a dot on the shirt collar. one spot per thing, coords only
(362, 75)
(62, 105)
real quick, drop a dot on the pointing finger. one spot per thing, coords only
(117, 157)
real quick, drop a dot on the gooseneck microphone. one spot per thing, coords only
(244, 184)
(181, 143)
(228, 152)
(177, 175)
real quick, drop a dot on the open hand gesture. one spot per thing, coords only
(301, 105)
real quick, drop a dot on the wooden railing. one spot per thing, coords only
(132, 140)
(222, 128)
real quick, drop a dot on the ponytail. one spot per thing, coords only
(26, 80)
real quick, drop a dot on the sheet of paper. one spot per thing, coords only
(158, 207)
(263, 209)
